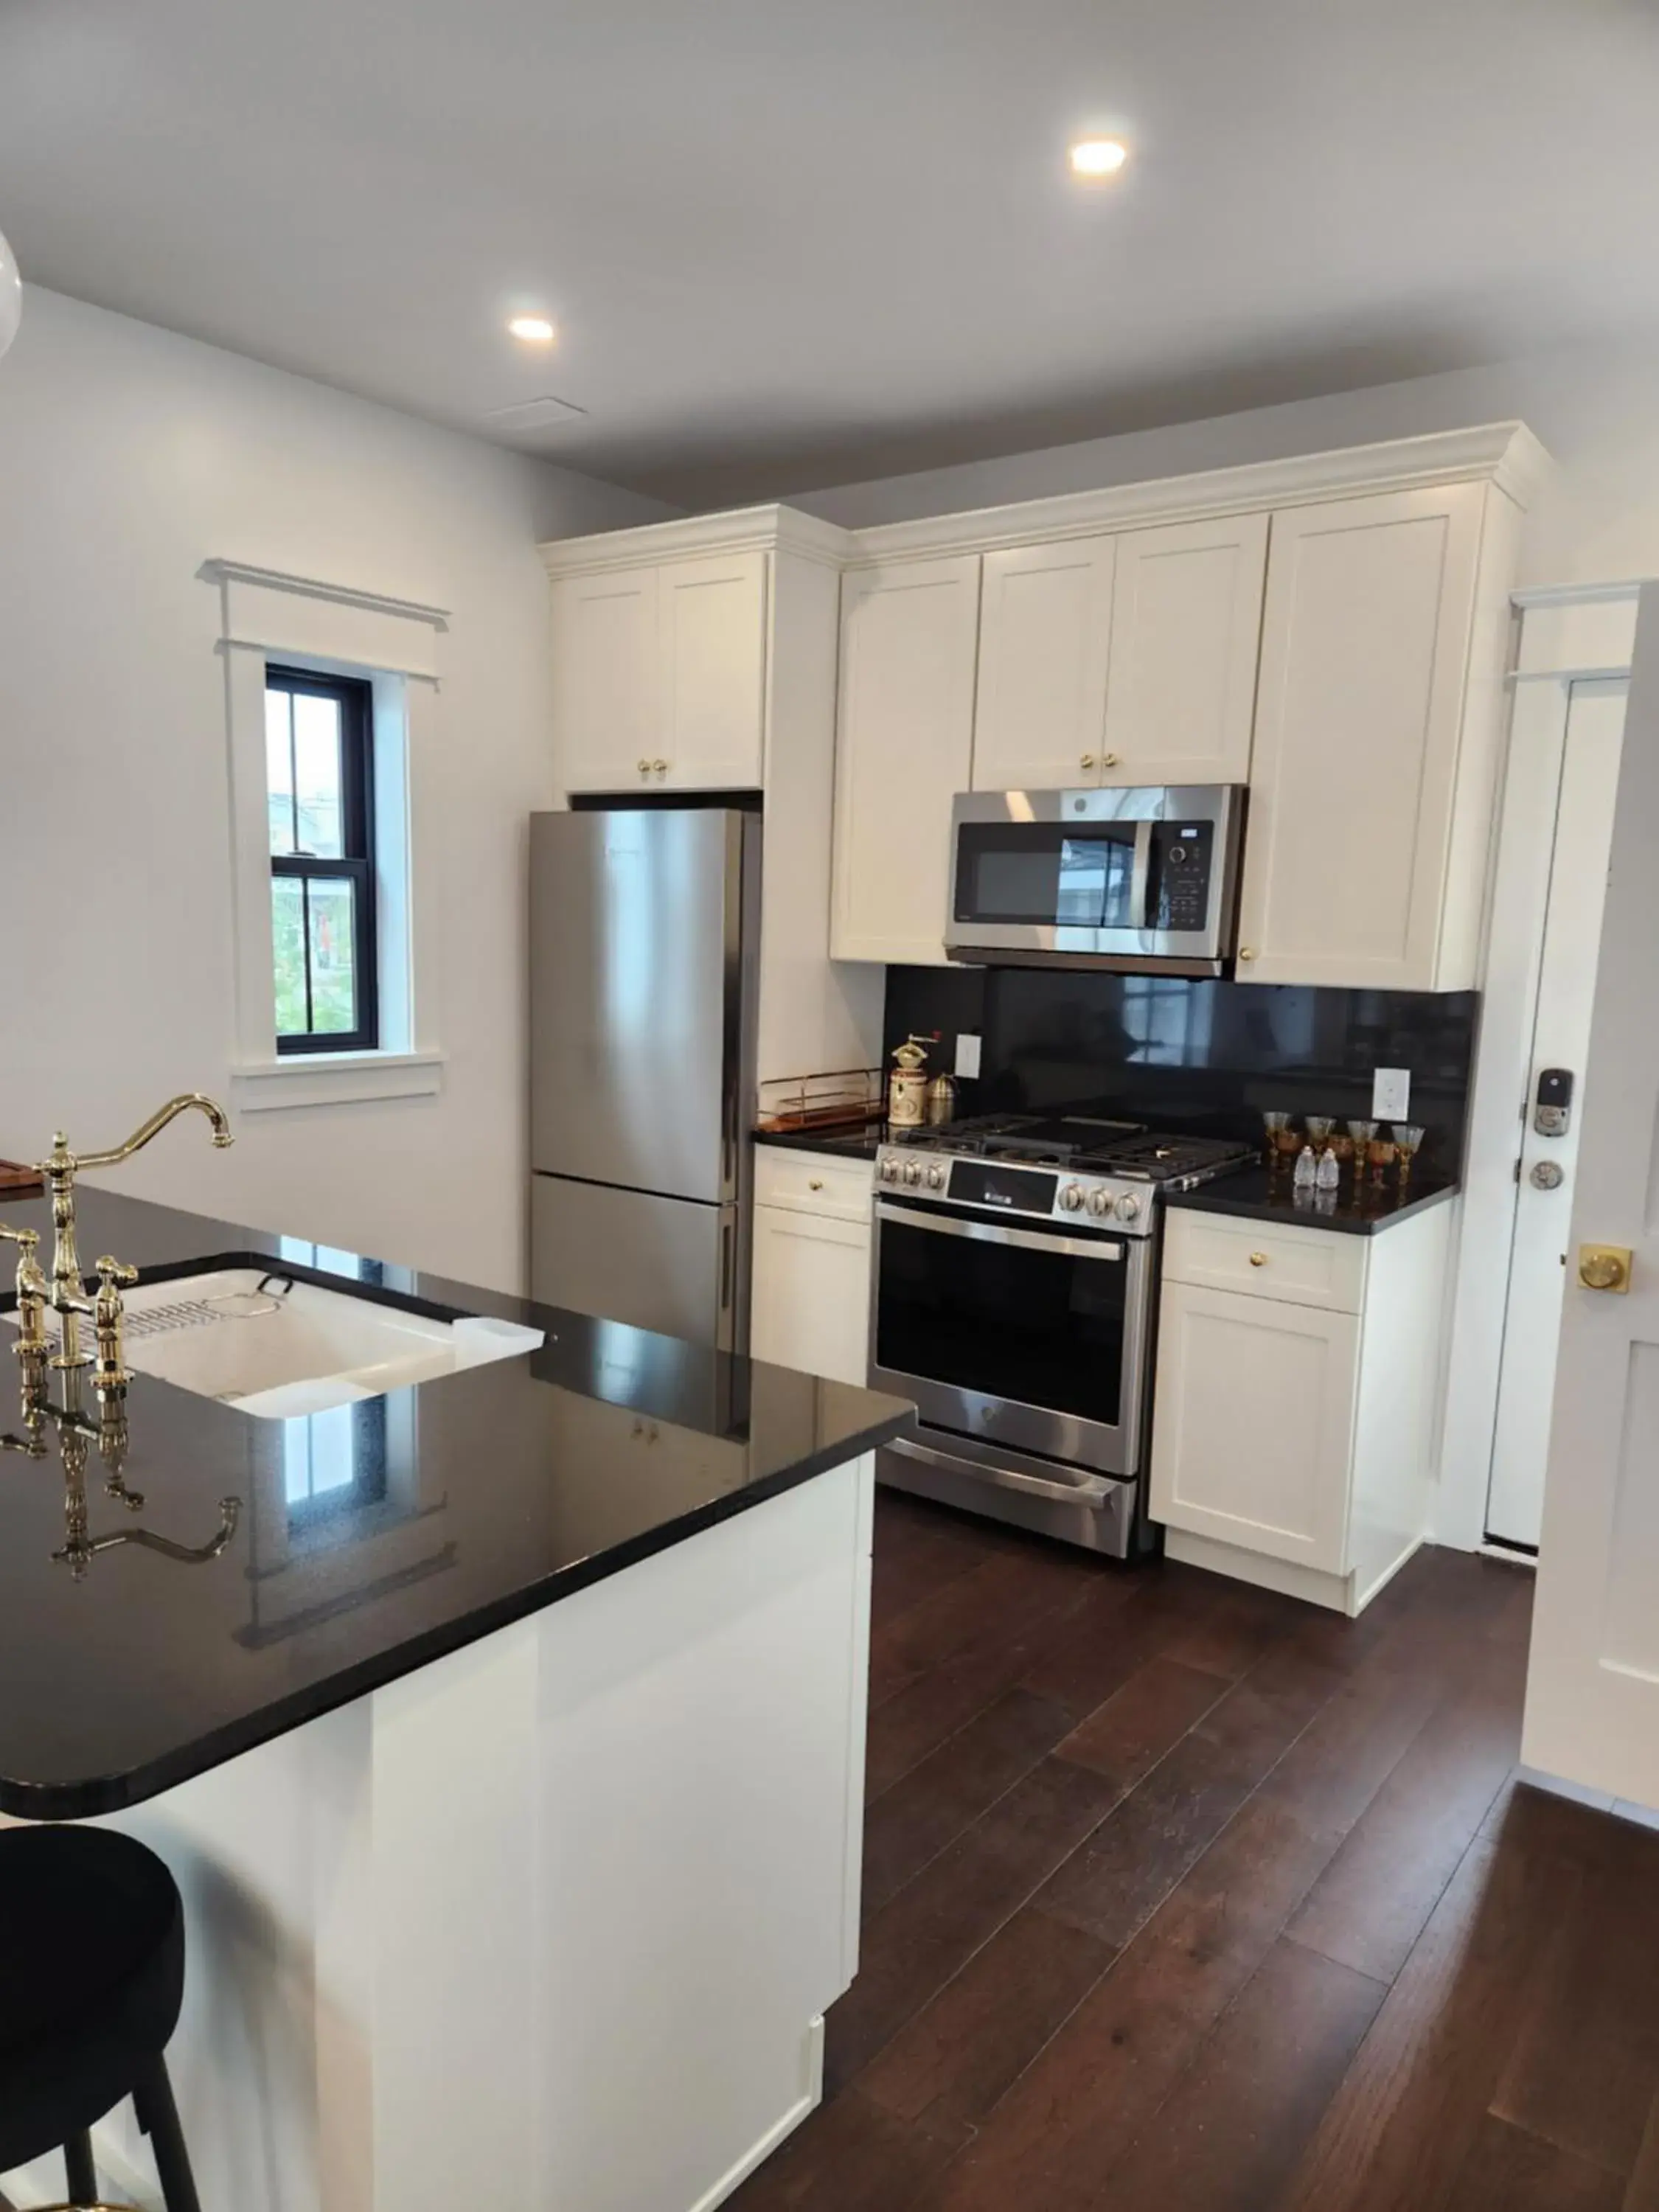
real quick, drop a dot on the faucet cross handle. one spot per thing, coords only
(31, 1289)
(107, 1314)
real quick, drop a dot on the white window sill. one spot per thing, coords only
(334, 1078)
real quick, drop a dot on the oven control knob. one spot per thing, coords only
(935, 1178)
(1071, 1197)
(890, 1170)
(1100, 1201)
(911, 1171)
(1127, 1206)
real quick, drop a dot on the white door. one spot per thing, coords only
(1365, 653)
(1045, 634)
(606, 690)
(811, 1306)
(712, 617)
(1544, 1201)
(1254, 1435)
(1186, 636)
(1592, 1711)
(909, 634)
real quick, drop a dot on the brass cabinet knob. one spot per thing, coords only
(1247, 952)
(661, 767)
(1109, 760)
(1605, 1266)
(645, 767)
(815, 1183)
(1258, 1259)
(1087, 760)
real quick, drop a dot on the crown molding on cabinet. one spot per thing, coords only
(1504, 454)
(743, 529)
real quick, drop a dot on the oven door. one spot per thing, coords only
(1014, 1333)
(1128, 879)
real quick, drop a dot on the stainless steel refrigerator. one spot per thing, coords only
(643, 927)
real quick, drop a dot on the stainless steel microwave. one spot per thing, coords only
(1136, 880)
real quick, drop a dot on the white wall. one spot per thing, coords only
(128, 457)
(1597, 409)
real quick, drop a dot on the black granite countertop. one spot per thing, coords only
(373, 1538)
(1254, 1195)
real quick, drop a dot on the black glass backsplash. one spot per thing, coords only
(1195, 1057)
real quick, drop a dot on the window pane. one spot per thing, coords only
(333, 958)
(288, 937)
(279, 772)
(317, 775)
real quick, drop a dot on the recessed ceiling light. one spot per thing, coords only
(1098, 157)
(534, 330)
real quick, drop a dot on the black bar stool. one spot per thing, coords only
(92, 1974)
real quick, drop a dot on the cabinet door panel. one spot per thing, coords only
(605, 687)
(1252, 1441)
(1044, 639)
(713, 642)
(1186, 633)
(1365, 653)
(810, 1305)
(909, 631)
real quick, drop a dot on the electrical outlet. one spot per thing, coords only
(1391, 1094)
(967, 1052)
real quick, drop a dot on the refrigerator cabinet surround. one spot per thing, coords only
(643, 960)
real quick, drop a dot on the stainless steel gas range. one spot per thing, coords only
(1015, 1293)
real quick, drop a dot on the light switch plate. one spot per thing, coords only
(1391, 1094)
(967, 1052)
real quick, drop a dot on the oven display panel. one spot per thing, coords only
(1022, 1190)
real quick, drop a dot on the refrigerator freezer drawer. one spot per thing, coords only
(669, 1264)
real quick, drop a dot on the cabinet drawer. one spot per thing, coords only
(812, 1182)
(1307, 1266)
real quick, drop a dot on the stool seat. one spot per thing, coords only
(92, 1975)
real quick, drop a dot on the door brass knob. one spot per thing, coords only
(1605, 1266)
(1258, 1259)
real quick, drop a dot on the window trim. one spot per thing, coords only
(357, 864)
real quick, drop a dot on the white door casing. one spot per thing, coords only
(1592, 1713)
(1543, 1217)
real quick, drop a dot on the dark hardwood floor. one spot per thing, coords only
(1181, 1896)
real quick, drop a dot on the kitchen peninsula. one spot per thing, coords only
(509, 1753)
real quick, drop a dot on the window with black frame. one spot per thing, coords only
(320, 776)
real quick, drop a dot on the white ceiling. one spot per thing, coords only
(788, 244)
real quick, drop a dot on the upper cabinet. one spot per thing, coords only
(1377, 740)
(1045, 633)
(1128, 660)
(1186, 625)
(660, 675)
(908, 638)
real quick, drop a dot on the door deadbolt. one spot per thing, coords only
(1605, 1266)
(1547, 1176)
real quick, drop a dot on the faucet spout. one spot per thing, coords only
(158, 1120)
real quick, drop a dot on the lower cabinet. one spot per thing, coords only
(1298, 1375)
(810, 1305)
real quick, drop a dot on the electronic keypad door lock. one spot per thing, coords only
(1551, 1110)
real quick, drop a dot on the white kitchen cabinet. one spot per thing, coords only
(904, 744)
(810, 1305)
(1294, 1410)
(660, 675)
(1186, 632)
(1045, 633)
(1378, 733)
(606, 686)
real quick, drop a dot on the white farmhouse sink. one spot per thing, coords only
(274, 1346)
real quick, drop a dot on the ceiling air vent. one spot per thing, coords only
(547, 413)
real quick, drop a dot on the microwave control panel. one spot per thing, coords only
(1183, 855)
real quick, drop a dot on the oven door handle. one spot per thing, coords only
(985, 1232)
(1140, 879)
(1092, 1490)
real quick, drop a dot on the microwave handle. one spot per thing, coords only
(1140, 881)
